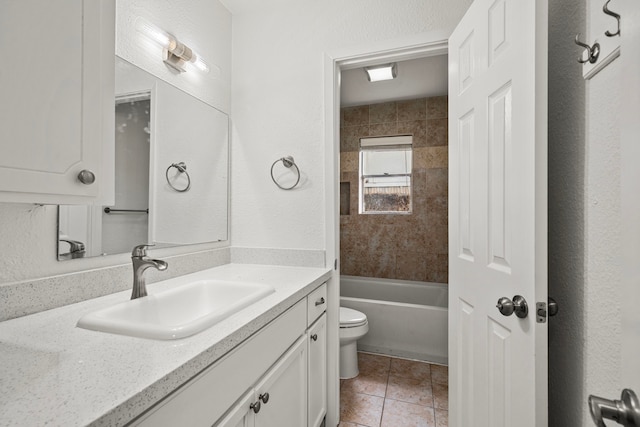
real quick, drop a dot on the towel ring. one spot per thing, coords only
(287, 162)
(182, 168)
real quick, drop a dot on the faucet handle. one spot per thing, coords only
(140, 251)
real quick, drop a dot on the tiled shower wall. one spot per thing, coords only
(414, 246)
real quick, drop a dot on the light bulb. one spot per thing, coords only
(154, 33)
(199, 63)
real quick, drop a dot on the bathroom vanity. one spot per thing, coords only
(264, 365)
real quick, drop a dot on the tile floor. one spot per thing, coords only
(392, 392)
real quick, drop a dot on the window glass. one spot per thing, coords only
(385, 175)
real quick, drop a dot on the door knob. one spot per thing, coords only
(625, 411)
(519, 305)
(255, 407)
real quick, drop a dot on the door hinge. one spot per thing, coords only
(335, 264)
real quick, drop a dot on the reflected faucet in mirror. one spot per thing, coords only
(140, 264)
(76, 249)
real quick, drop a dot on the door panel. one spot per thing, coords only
(497, 234)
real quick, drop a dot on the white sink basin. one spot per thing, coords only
(178, 312)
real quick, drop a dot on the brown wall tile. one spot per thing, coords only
(437, 132)
(383, 129)
(437, 107)
(414, 109)
(431, 157)
(417, 128)
(383, 113)
(350, 137)
(349, 161)
(437, 182)
(355, 116)
(413, 246)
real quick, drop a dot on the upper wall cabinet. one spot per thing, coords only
(57, 109)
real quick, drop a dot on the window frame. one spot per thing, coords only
(384, 143)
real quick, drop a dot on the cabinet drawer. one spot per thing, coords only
(206, 397)
(316, 303)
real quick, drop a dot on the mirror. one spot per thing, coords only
(171, 173)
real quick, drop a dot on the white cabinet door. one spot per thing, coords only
(57, 106)
(498, 214)
(283, 391)
(242, 414)
(317, 407)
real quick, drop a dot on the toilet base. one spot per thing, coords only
(349, 360)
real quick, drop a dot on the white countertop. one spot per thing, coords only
(54, 373)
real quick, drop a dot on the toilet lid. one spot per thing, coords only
(350, 317)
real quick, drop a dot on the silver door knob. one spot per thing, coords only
(86, 177)
(519, 305)
(625, 411)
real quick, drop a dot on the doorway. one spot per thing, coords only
(413, 47)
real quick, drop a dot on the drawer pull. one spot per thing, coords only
(264, 397)
(255, 407)
(314, 337)
(320, 301)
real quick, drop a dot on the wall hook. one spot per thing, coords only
(606, 10)
(592, 51)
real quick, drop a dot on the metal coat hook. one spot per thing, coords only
(592, 51)
(606, 10)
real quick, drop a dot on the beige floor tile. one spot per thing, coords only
(410, 369)
(362, 409)
(402, 414)
(440, 374)
(374, 384)
(410, 390)
(373, 364)
(442, 418)
(440, 396)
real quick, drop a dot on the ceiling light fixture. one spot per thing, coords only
(175, 54)
(382, 72)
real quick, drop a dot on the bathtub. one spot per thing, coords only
(406, 319)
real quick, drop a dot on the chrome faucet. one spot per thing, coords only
(140, 265)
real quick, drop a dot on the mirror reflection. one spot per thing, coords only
(171, 173)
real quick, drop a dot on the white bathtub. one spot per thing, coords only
(406, 319)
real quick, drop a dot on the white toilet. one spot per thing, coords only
(353, 326)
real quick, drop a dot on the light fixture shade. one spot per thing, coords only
(382, 72)
(174, 53)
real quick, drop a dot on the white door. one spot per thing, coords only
(317, 378)
(498, 214)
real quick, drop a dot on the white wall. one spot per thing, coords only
(584, 224)
(278, 109)
(203, 25)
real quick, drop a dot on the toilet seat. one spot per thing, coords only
(350, 318)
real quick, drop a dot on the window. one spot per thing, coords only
(385, 175)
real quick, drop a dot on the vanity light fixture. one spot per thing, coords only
(378, 73)
(175, 54)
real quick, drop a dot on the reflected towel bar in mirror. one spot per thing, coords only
(110, 210)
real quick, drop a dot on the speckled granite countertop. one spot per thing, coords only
(53, 373)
